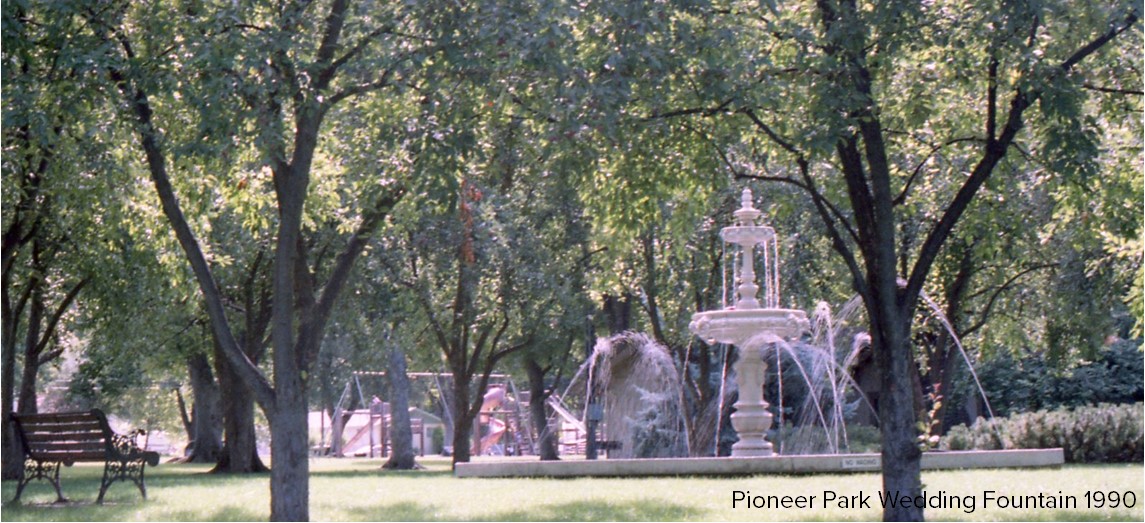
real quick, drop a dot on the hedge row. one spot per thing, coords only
(1092, 434)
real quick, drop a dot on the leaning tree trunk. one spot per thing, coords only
(401, 435)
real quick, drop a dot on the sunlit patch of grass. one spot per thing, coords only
(358, 490)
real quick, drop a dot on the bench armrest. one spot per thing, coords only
(128, 449)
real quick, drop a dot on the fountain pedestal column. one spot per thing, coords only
(751, 418)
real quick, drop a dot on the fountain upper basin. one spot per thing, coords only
(736, 326)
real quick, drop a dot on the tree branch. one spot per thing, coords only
(984, 315)
(357, 48)
(994, 151)
(328, 67)
(355, 246)
(1112, 90)
(830, 216)
(438, 330)
(479, 346)
(50, 328)
(992, 97)
(1097, 43)
(157, 166)
(702, 111)
(901, 198)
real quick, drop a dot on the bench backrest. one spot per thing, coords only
(66, 437)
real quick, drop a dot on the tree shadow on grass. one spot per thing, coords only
(222, 514)
(379, 472)
(603, 510)
(84, 510)
(402, 511)
(41, 508)
(642, 510)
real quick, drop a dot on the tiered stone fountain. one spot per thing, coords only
(747, 324)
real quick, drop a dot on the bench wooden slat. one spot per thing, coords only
(70, 456)
(70, 429)
(74, 436)
(57, 417)
(71, 426)
(34, 444)
(65, 446)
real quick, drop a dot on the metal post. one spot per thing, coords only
(594, 416)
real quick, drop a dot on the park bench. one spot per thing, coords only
(50, 441)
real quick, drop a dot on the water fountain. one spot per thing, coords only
(763, 332)
(750, 324)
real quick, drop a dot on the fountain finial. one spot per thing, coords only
(747, 213)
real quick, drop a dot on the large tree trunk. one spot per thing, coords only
(463, 417)
(206, 422)
(28, 399)
(901, 455)
(289, 477)
(401, 436)
(240, 443)
(538, 396)
(289, 485)
(13, 466)
(618, 311)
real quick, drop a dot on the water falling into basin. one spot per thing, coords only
(636, 379)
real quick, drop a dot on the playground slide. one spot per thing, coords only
(564, 413)
(496, 428)
(352, 446)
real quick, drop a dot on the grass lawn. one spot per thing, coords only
(356, 490)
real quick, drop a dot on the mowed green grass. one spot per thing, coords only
(357, 490)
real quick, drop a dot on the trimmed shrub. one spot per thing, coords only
(437, 440)
(1092, 434)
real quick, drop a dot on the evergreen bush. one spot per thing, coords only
(1033, 381)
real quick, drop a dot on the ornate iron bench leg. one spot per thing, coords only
(34, 470)
(111, 472)
(122, 471)
(138, 479)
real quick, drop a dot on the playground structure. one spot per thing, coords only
(362, 428)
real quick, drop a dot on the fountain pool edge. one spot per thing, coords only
(730, 466)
